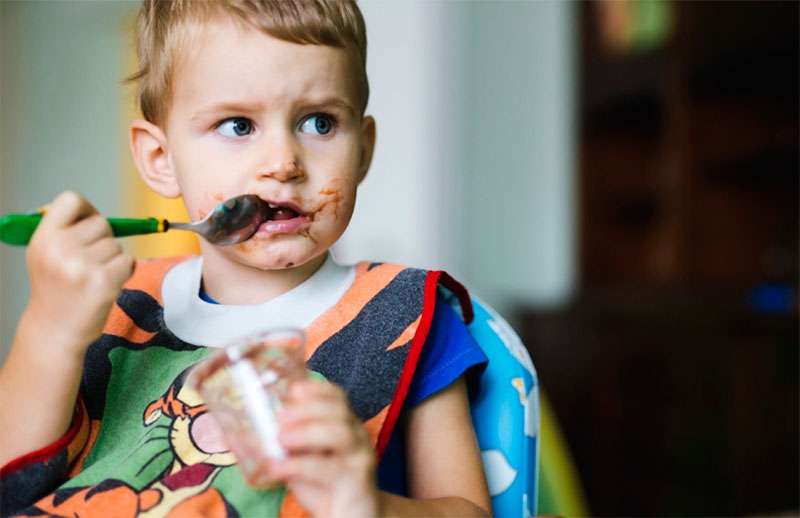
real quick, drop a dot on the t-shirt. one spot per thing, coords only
(449, 352)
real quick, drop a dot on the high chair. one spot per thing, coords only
(527, 472)
(505, 414)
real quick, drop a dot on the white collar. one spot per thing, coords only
(198, 322)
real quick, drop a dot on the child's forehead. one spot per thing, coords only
(224, 58)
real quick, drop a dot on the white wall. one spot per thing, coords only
(473, 171)
(519, 146)
(474, 167)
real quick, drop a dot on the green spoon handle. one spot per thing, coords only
(17, 229)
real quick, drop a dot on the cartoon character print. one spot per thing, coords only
(197, 446)
(199, 454)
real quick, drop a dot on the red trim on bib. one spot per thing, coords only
(415, 349)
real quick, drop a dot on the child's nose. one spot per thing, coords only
(284, 171)
(282, 161)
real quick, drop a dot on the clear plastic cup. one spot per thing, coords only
(244, 385)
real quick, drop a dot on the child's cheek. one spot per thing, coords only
(330, 200)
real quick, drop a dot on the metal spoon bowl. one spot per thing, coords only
(231, 222)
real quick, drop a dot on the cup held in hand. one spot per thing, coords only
(244, 386)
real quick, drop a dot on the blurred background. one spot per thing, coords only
(618, 178)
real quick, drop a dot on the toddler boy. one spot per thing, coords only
(239, 97)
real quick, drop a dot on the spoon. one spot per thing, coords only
(231, 222)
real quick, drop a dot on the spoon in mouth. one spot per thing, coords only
(231, 222)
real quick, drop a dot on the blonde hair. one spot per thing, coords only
(164, 30)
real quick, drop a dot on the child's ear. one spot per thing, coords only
(367, 146)
(150, 151)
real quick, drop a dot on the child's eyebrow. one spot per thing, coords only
(232, 107)
(329, 101)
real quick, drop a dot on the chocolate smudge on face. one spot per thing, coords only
(333, 197)
(307, 233)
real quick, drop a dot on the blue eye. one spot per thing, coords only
(236, 127)
(318, 124)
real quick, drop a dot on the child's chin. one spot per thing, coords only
(275, 266)
(277, 262)
(282, 252)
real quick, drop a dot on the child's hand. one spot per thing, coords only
(76, 270)
(331, 462)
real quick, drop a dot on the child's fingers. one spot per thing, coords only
(316, 470)
(328, 409)
(63, 213)
(319, 419)
(310, 388)
(314, 400)
(320, 470)
(121, 268)
(65, 209)
(103, 250)
(329, 436)
(88, 230)
(307, 398)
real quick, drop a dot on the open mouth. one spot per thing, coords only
(275, 212)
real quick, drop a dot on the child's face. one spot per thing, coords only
(255, 114)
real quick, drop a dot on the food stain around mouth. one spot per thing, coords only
(333, 197)
(306, 232)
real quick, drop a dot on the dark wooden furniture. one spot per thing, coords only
(677, 393)
(674, 403)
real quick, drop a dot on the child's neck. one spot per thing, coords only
(240, 284)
